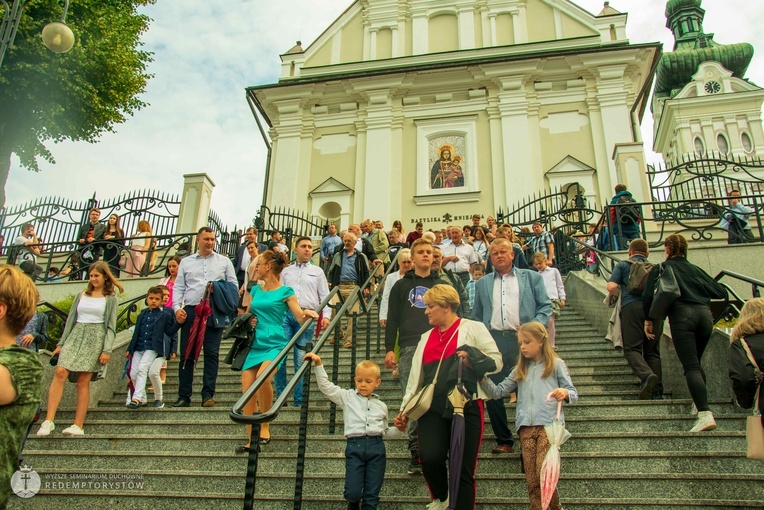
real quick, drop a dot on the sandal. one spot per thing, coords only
(242, 449)
(264, 440)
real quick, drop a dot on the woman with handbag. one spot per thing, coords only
(689, 316)
(745, 370)
(85, 345)
(433, 375)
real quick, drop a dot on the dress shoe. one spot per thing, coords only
(503, 448)
(208, 402)
(181, 402)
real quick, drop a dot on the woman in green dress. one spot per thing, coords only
(270, 302)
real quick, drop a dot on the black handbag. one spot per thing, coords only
(665, 293)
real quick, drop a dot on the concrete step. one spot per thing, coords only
(288, 423)
(397, 461)
(663, 485)
(580, 442)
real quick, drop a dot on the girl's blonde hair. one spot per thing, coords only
(751, 320)
(537, 331)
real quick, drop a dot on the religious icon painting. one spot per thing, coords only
(446, 156)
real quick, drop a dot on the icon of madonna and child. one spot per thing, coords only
(446, 172)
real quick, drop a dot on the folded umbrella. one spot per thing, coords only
(202, 312)
(459, 396)
(550, 468)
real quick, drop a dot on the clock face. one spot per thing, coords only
(712, 87)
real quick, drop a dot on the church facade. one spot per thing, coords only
(434, 110)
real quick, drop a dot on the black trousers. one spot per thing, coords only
(434, 446)
(211, 347)
(691, 329)
(642, 354)
(506, 341)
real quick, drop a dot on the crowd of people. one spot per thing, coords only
(460, 298)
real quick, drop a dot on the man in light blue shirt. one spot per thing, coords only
(328, 245)
(310, 286)
(735, 220)
(194, 273)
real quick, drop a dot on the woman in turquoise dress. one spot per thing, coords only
(270, 302)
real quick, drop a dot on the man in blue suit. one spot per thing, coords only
(505, 299)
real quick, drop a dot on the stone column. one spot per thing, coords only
(379, 156)
(420, 33)
(194, 203)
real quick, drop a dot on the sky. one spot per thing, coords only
(207, 51)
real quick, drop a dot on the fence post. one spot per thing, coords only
(194, 202)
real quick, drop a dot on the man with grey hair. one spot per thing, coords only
(459, 256)
(349, 269)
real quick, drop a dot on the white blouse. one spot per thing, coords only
(91, 310)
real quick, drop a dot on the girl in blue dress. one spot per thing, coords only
(270, 302)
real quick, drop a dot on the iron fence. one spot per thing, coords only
(290, 223)
(57, 220)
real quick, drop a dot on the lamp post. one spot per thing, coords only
(56, 36)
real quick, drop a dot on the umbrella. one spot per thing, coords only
(459, 396)
(550, 468)
(126, 373)
(202, 312)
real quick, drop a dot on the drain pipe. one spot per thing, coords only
(253, 105)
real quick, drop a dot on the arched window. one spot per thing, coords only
(745, 139)
(700, 149)
(722, 144)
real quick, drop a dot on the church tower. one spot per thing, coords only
(703, 105)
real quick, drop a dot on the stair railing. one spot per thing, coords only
(256, 420)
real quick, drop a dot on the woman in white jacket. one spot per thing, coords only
(450, 338)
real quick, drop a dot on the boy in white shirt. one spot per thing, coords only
(554, 288)
(366, 423)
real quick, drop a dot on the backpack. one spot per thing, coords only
(638, 273)
(628, 210)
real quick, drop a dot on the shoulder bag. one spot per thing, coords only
(754, 429)
(421, 401)
(665, 293)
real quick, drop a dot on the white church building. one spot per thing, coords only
(415, 109)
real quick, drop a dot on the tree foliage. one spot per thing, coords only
(76, 95)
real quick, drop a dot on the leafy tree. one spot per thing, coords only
(76, 95)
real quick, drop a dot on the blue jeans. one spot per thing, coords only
(365, 462)
(291, 326)
(506, 341)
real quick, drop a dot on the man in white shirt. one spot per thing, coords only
(194, 273)
(459, 256)
(26, 256)
(310, 286)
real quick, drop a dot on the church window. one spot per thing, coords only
(700, 149)
(745, 140)
(722, 144)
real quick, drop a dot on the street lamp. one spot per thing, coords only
(56, 36)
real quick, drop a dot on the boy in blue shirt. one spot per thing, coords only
(366, 423)
(477, 271)
(148, 344)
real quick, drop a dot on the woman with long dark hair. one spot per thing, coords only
(85, 345)
(690, 320)
(114, 237)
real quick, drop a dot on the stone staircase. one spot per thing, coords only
(624, 453)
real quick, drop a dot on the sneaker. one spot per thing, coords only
(415, 467)
(46, 428)
(437, 504)
(158, 404)
(646, 389)
(705, 422)
(133, 405)
(693, 410)
(74, 430)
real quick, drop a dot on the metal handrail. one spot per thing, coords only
(755, 284)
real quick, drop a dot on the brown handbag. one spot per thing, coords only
(754, 429)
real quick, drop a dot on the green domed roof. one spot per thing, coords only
(675, 5)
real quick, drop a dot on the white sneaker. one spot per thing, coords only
(46, 428)
(437, 504)
(74, 430)
(705, 422)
